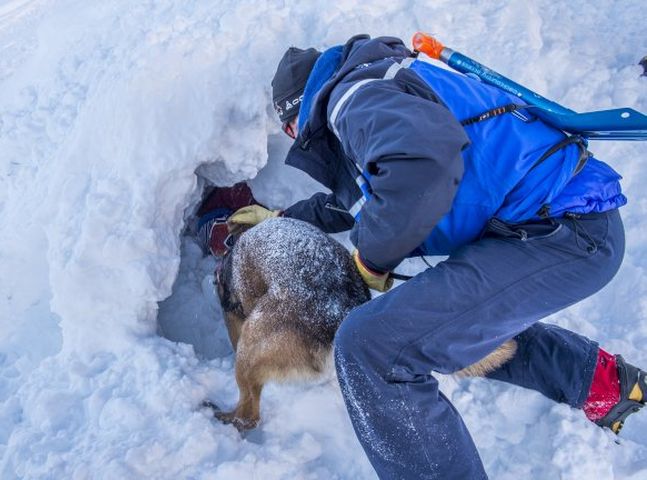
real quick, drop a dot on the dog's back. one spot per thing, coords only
(301, 268)
(285, 287)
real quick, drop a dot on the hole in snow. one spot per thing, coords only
(192, 313)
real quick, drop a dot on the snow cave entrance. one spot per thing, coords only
(192, 313)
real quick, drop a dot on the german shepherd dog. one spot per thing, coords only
(285, 287)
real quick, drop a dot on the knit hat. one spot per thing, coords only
(290, 81)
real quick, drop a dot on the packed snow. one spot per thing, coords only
(115, 114)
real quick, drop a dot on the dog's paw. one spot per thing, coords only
(242, 424)
(245, 424)
(225, 417)
(218, 413)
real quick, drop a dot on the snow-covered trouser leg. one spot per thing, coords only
(452, 315)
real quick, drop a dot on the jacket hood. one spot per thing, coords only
(360, 49)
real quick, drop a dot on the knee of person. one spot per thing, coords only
(353, 335)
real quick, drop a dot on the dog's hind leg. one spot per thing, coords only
(267, 350)
(246, 415)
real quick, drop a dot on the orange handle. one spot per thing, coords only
(427, 44)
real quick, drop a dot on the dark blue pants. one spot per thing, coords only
(454, 314)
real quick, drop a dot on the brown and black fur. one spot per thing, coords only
(285, 287)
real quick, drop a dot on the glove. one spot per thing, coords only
(375, 280)
(248, 217)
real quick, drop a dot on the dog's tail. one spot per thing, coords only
(491, 362)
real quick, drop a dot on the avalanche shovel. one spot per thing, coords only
(615, 124)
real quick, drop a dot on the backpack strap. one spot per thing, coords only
(572, 139)
(544, 211)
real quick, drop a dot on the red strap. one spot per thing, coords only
(605, 388)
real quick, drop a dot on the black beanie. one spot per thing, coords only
(290, 81)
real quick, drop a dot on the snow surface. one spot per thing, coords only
(107, 110)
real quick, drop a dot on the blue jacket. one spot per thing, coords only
(395, 156)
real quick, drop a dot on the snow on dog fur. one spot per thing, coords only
(285, 287)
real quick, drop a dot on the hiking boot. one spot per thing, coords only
(633, 394)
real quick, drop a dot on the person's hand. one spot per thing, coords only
(248, 217)
(375, 280)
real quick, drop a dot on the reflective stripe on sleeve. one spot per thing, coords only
(342, 101)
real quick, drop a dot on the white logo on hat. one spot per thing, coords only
(291, 104)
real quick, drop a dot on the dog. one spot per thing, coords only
(285, 287)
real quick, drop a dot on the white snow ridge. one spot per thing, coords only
(107, 111)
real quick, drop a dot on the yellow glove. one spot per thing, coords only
(377, 281)
(248, 217)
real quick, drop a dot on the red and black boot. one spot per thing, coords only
(618, 390)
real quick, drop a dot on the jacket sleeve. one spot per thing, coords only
(321, 210)
(411, 148)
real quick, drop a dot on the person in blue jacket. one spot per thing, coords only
(423, 161)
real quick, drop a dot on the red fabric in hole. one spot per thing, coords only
(232, 198)
(605, 388)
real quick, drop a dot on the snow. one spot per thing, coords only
(107, 111)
